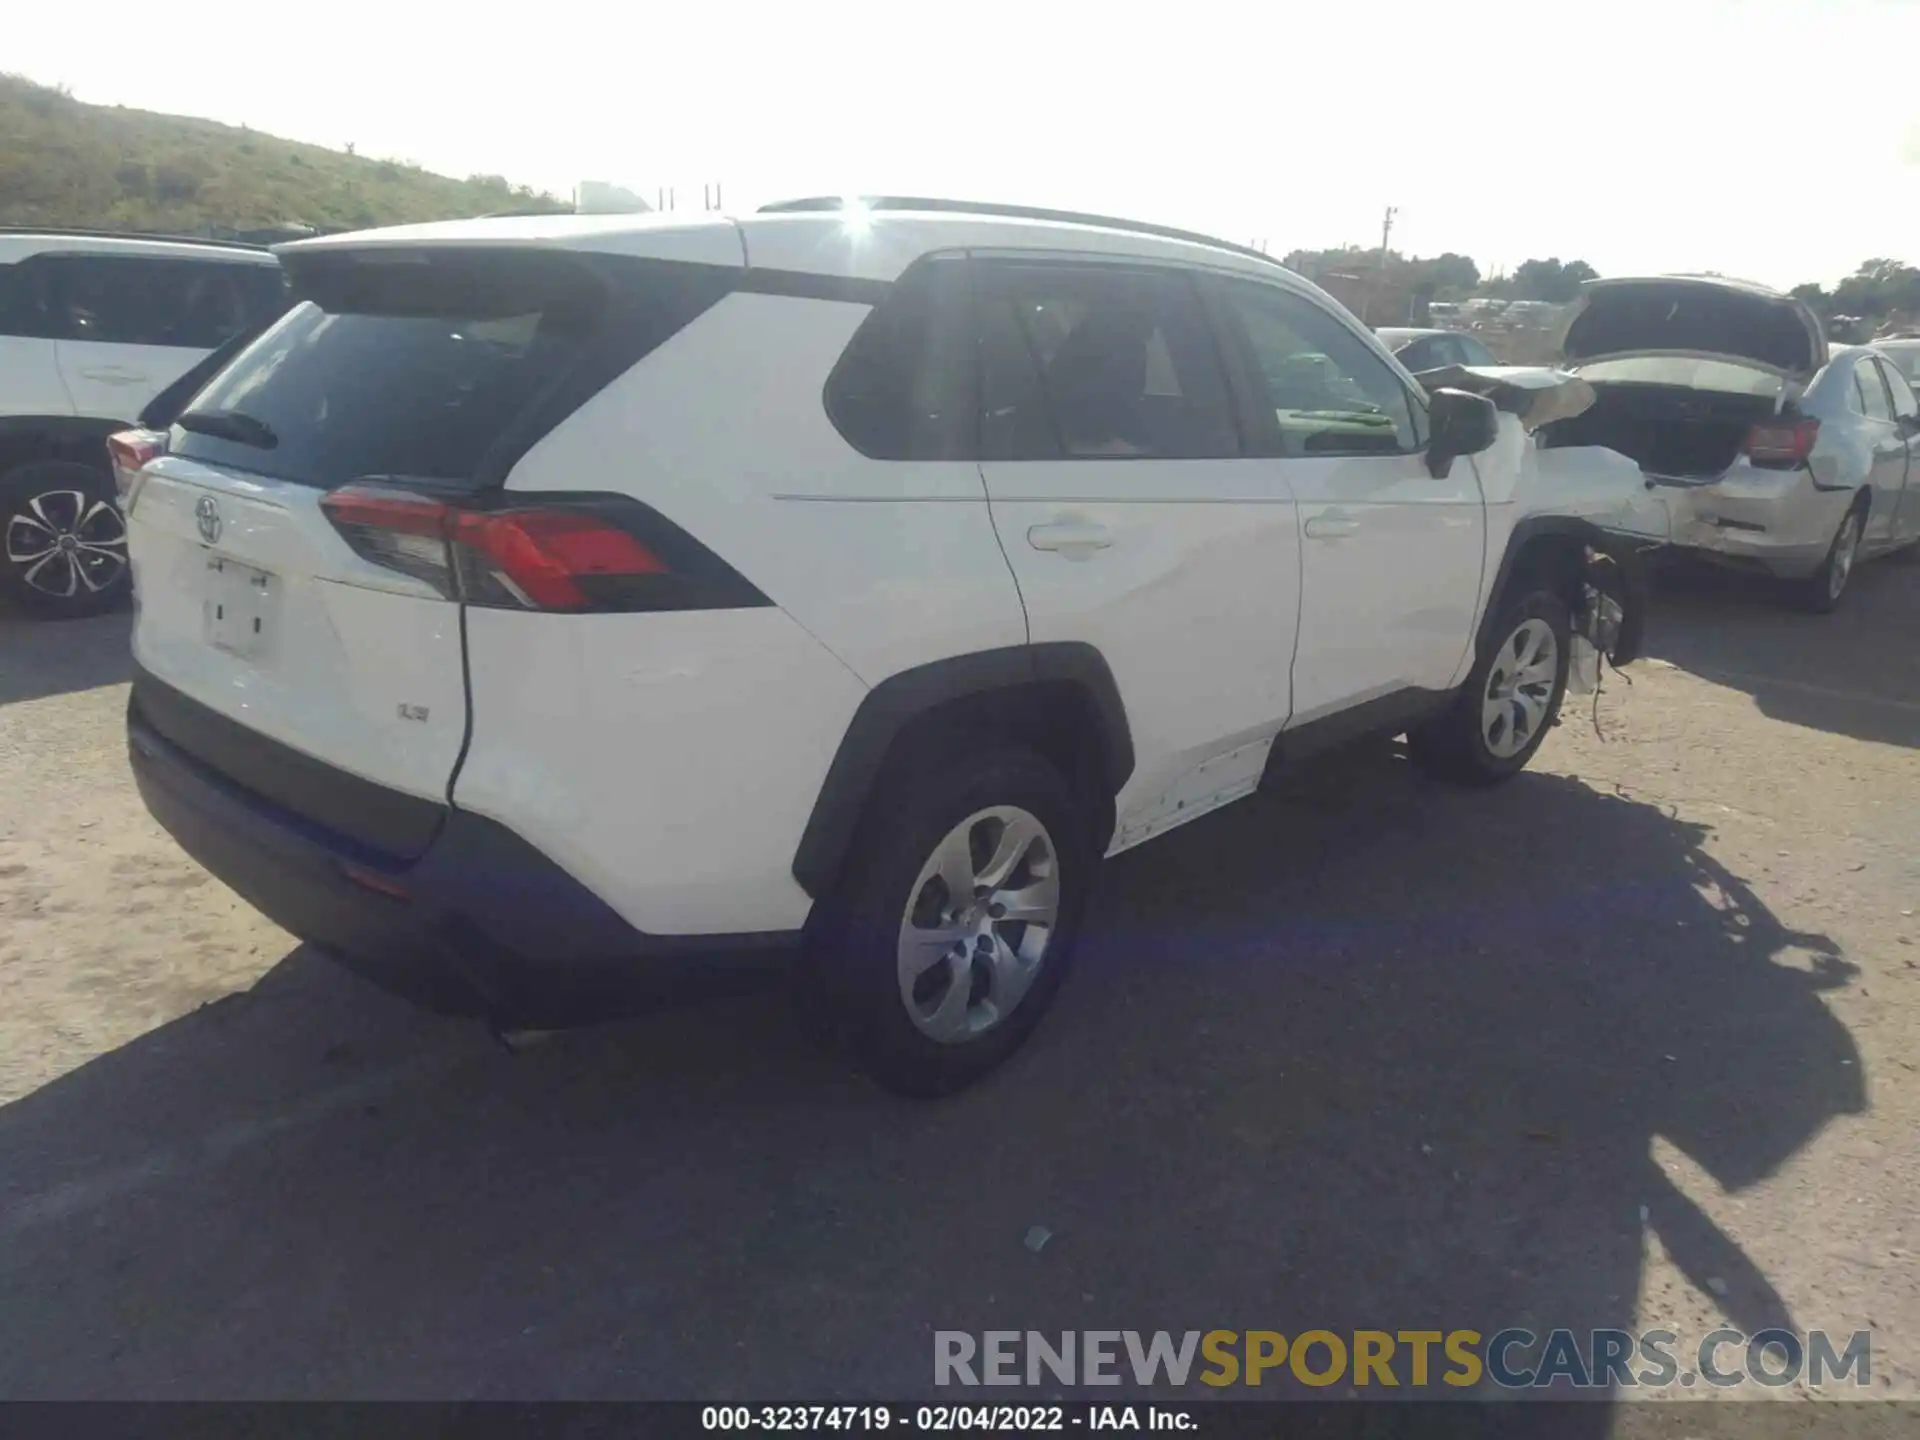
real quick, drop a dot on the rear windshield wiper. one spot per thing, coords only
(235, 425)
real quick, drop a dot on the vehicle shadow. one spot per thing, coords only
(39, 658)
(1364, 1053)
(1855, 672)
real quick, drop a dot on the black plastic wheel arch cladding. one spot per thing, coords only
(896, 702)
(1627, 553)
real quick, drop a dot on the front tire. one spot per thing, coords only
(63, 543)
(952, 927)
(1511, 699)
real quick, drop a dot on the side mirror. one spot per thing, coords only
(1461, 424)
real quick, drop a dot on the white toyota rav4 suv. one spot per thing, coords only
(548, 611)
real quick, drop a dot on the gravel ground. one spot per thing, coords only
(1630, 1041)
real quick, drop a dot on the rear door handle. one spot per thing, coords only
(1332, 525)
(1076, 539)
(113, 375)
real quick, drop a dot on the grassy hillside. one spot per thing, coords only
(65, 163)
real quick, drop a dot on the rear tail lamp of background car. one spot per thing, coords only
(566, 553)
(1782, 444)
(130, 450)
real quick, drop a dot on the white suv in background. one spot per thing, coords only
(93, 327)
(550, 611)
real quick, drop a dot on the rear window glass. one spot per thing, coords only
(418, 364)
(1871, 392)
(1906, 359)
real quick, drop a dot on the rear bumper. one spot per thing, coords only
(481, 923)
(1776, 521)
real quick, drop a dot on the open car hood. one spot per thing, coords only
(1535, 395)
(1703, 317)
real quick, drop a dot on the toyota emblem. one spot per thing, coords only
(206, 515)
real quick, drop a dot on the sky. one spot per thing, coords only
(1775, 141)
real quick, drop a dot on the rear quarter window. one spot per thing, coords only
(902, 389)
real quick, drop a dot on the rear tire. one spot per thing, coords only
(63, 542)
(1501, 715)
(1821, 591)
(919, 968)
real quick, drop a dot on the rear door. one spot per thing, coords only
(432, 369)
(1133, 522)
(30, 383)
(1888, 475)
(1390, 557)
(1906, 414)
(130, 325)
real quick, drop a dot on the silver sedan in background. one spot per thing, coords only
(1769, 450)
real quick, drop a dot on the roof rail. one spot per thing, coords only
(57, 231)
(819, 203)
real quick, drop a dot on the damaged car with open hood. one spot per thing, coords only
(1767, 452)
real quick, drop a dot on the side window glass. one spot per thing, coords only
(1329, 393)
(110, 300)
(1904, 404)
(265, 291)
(26, 303)
(898, 389)
(212, 302)
(1873, 392)
(179, 304)
(1098, 362)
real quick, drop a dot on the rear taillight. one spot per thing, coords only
(572, 553)
(546, 559)
(1781, 444)
(130, 450)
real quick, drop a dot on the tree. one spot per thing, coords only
(1550, 280)
(1815, 297)
(1450, 275)
(1878, 287)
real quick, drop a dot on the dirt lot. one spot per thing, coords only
(1631, 1041)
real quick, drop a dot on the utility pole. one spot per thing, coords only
(1386, 230)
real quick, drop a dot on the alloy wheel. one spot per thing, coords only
(1519, 688)
(66, 543)
(978, 923)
